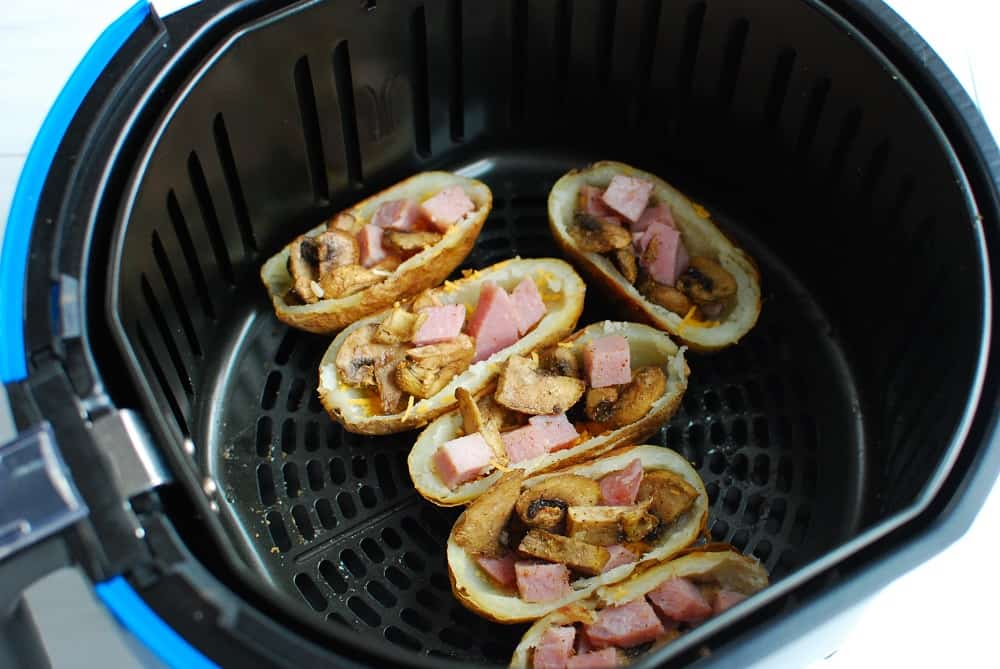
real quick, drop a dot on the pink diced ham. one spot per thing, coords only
(443, 323)
(607, 361)
(725, 600)
(499, 569)
(528, 305)
(590, 202)
(620, 487)
(619, 556)
(397, 215)
(523, 443)
(659, 214)
(370, 244)
(554, 648)
(556, 431)
(625, 626)
(494, 322)
(598, 659)
(680, 600)
(628, 196)
(669, 258)
(462, 459)
(447, 207)
(541, 582)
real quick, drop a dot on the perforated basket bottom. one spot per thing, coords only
(332, 518)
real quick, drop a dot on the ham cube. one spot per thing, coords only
(541, 582)
(619, 556)
(442, 324)
(500, 570)
(554, 648)
(523, 443)
(619, 488)
(528, 305)
(463, 459)
(447, 207)
(590, 202)
(370, 244)
(725, 600)
(628, 196)
(663, 253)
(607, 361)
(680, 600)
(556, 431)
(659, 214)
(397, 215)
(494, 322)
(598, 659)
(625, 626)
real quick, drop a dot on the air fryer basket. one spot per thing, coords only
(835, 419)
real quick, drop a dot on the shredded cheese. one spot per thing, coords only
(409, 407)
(565, 344)
(496, 463)
(700, 210)
(450, 287)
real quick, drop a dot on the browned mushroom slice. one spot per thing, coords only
(636, 397)
(425, 298)
(599, 403)
(667, 297)
(625, 262)
(302, 270)
(397, 327)
(668, 493)
(474, 421)
(577, 555)
(346, 222)
(523, 388)
(499, 415)
(359, 355)
(480, 528)
(598, 235)
(705, 281)
(544, 505)
(333, 248)
(389, 393)
(346, 280)
(428, 369)
(560, 360)
(607, 525)
(409, 243)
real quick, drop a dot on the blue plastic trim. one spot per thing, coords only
(148, 627)
(14, 258)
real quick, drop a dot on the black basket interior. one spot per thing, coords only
(833, 415)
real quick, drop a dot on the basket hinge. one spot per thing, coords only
(38, 498)
(137, 465)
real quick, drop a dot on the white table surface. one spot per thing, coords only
(937, 615)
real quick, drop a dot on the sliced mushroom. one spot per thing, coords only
(600, 403)
(607, 525)
(330, 249)
(666, 296)
(636, 397)
(389, 392)
(625, 262)
(426, 298)
(473, 421)
(398, 327)
(523, 388)
(598, 235)
(669, 495)
(705, 281)
(577, 555)
(346, 222)
(544, 505)
(302, 271)
(346, 280)
(428, 369)
(360, 355)
(409, 243)
(497, 414)
(479, 529)
(560, 360)
(387, 264)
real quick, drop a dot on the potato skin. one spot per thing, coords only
(429, 267)
(601, 273)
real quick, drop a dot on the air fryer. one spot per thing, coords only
(179, 452)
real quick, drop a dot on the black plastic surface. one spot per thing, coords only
(813, 148)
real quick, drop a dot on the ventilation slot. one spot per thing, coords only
(310, 591)
(353, 563)
(779, 86)
(401, 638)
(384, 475)
(285, 348)
(279, 533)
(392, 538)
(324, 509)
(810, 123)
(311, 134)
(264, 435)
(288, 436)
(190, 255)
(180, 304)
(208, 215)
(845, 138)
(175, 408)
(364, 612)
(328, 572)
(295, 394)
(153, 305)
(372, 549)
(689, 51)
(457, 110)
(314, 472)
(605, 41)
(265, 484)
(562, 41)
(735, 44)
(644, 59)
(270, 394)
(421, 94)
(302, 521)
(348, 114)
(381, 594)
(874, 171)
(517, 24)
(293, 487)
(228, 162)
